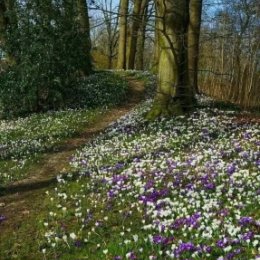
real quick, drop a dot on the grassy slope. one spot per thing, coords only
(24, 140)
(21, 236)
(138, 190)
(186, 188)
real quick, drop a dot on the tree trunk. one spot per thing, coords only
(156, 51)
(174, 93)
(136, 21)
(111, 30)
(195, 10)
(123, 12)
(142, 36)
(84, 30)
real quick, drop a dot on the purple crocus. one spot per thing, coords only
(119, 165)
(231, 169)
(204, 248)
(149, 184)
(222, 243)
(117, 257)
(210, 186)
(245, 154)
(248, 236)
(247, 136)
(244, 221)
(157, 239)
(2, 218)
(131, 255)
(230, 256)
(184, 247)
(208, 249)
(233, 254)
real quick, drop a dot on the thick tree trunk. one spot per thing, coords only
(136, 22)
(123, 12)
(84, 30)
(174, 93)
(195, 10)
(142, 36)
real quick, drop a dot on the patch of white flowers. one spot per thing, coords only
(22, 139)
(184, 188)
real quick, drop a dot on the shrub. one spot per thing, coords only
(98, 90)
(50, 54)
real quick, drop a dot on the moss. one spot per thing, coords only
(167, 109)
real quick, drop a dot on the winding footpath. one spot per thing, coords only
(22, 201)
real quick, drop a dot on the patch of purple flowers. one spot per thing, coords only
(231, 169)
(184, 247)
(161, 240)
(192, 221)
(221, 243)
(244, 221)
(248, 236)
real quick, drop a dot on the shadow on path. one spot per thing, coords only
(22, 201)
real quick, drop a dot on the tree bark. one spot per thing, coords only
(174, 93)
(84, 30)
(156, 51)
(111, 24)
(123, 12)
(195, 9)
(136, 21)
(142, 36)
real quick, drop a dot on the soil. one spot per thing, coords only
(22, 200)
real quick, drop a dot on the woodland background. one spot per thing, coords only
(48, 48)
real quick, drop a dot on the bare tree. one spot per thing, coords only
(230, 53)
(136, 21)
(111, 24)
(122, 45)
(195, 10)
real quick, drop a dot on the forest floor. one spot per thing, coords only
(185, 187)
(22, 201)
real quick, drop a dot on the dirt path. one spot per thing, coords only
(22, 200)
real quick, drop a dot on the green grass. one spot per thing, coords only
(25, 139)
(199, 150)
(116, 226)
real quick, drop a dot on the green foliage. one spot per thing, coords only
(22, 140)
(149, 79)
(99, 89)
(50, 53)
